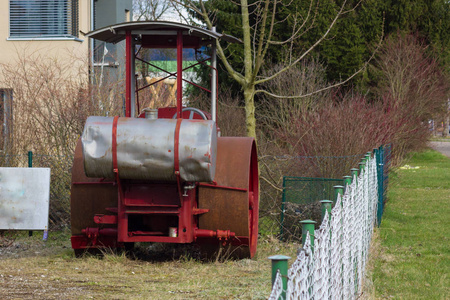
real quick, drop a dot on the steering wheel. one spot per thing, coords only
(193, 110)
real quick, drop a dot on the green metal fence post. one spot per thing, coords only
(362, 165)
(376, 153)
(347, 180)
(338, 190)
(325, 207)
(377, 160)
(283, 200)
(30, 165)
(308, 226)
(30, 159)
(380, 177)
(354, 172)
(280, 262)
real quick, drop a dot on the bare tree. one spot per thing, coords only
(258, 22)
(150, 10)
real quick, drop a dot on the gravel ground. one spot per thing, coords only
(443, 147)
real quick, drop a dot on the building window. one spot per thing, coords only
(43, 18)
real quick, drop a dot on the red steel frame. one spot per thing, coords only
(179, 52)
(128, 63)
(179, 74)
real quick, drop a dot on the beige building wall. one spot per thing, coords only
(65, 49)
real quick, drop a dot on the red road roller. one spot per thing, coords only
(163, 175)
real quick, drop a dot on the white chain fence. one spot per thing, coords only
(334, 268)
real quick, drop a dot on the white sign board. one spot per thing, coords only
(24, 198)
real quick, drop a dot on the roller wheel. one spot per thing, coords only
(233, 204)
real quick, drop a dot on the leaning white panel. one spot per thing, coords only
(24, 198)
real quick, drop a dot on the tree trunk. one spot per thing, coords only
(250, 120)
(445, 133)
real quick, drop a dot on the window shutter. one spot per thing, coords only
(43, 18)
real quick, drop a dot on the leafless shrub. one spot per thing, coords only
(276, 113)
(414, 89)
(345, 129)
(51, 102)
(230, 112)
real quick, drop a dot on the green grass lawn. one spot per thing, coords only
(413, 259)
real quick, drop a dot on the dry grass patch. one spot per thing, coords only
(54, 273)
(375, 253)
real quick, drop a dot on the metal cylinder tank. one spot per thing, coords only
(146, 148)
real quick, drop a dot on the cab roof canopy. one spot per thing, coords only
(160, 34)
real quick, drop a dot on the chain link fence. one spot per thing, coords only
(331, 264)
(277, 175)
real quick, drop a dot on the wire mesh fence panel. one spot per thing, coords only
(334, 267)
(272, 171)
(305, 190)
(300, 201)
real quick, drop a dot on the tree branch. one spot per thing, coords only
(247, 42)
(270, 183)
(296, 33)
(259, 52)
(307, 51)
(204, 13)
(330, 86)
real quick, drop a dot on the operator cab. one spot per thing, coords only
(164, 35)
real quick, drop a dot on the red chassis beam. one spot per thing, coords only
(107, 237)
